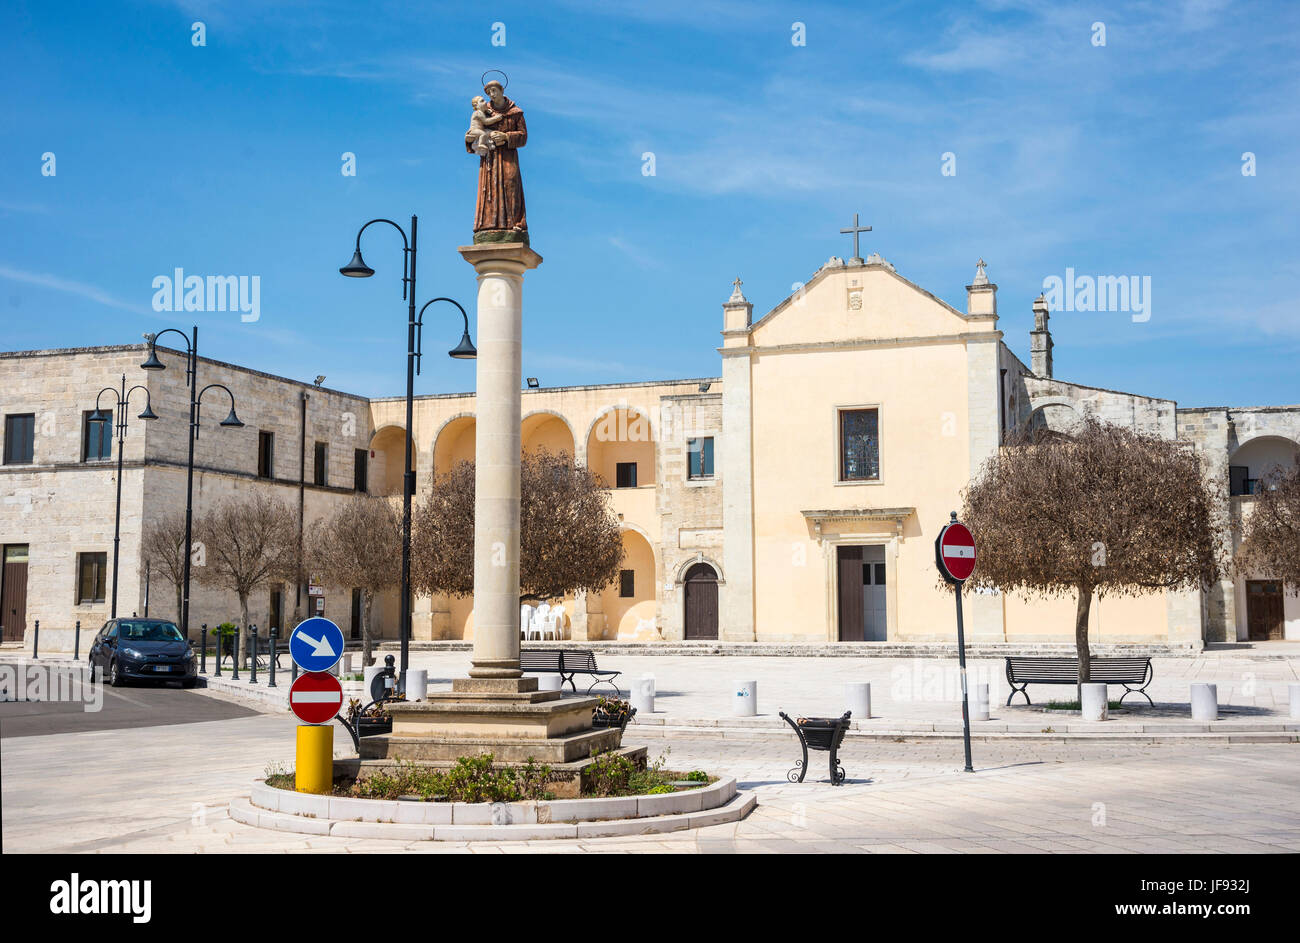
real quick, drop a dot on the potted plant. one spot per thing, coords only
(611, 712)
(372, 719)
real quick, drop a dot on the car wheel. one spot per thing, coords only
(115, 675)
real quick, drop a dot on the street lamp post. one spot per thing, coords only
(103, 415)
(231, 421)
(357, 268)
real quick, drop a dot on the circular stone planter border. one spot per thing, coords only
(409, 820)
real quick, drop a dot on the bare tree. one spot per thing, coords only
(1271, 532)
(359, 545)
(163, 545)
(1104, 511)
(248, 542)
(569, 535)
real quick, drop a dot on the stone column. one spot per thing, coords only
(500, 269)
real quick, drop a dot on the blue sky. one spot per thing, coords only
(1122, 159)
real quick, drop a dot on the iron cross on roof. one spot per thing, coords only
(856, 229)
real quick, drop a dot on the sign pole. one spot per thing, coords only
(965, 700)
(954, 555)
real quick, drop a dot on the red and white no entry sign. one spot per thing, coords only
(315, 697)
(955, 551)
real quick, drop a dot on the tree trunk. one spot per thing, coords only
(180, 601)
(1081, 637)
(367, 599)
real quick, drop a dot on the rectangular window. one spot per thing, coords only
(96, 438)
(626, 584)
(319, 472)
(699, 457)
(625, 475)
(91, 569)
(276, 614)
(359, 457)
(265, 453)
(859, 445)
(20, 437)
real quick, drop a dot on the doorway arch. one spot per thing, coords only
(700, 603)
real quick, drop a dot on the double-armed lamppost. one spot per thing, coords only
(103, 415)
(357, 268)
(196, 397)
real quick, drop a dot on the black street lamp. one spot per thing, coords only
(357, 268)
(231, 421)
(103, 415)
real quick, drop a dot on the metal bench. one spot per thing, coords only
(567, 663)
(819, 733)
(1024, 671)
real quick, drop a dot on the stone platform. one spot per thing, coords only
(506, 717)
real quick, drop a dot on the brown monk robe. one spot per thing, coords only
(500, 188)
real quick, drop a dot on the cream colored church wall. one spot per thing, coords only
(923, 465)
(1110, 619)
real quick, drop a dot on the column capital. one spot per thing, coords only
(512, 257)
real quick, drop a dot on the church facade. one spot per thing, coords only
(792, 498)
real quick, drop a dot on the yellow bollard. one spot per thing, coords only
(315, 768)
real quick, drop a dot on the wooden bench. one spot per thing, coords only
(819, 733)
(567, 663)
(1024, 671)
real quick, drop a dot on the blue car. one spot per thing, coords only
(142, 649)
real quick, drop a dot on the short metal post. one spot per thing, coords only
(36, 639)
(274, 633)
(234, 672)
(76, 642)
(203, 651)
(221, 644)
(252, 654)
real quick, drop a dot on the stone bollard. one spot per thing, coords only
(1092, 701)
(857, 698)
(345, 664)
(550, 682)
(744, 698)
(979, 704)
(643, 694)
(1295, 700)
(1205, 701)
(415, 684)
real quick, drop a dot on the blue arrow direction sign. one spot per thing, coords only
(316, 644)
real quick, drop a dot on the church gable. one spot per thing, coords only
(857, 301)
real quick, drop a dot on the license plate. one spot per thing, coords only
(163, 667)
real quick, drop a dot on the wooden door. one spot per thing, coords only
(849, 564)
(701, 602)
(1264, 610)
(13, 593)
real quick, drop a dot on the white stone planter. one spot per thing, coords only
(643, 695)
(415, 684)
(268, 807)
(1294, 689)
(979, 703)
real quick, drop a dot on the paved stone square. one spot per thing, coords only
(165, 788)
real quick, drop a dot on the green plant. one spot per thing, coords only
(698, 776)
(472, 779)
(660, 790)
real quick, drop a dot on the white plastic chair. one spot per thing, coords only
(554, 623)
(525, 620)
(537, 627)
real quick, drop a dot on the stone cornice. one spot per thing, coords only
(864, 343)
(820, 518)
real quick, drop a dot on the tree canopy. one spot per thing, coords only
(1271, 532)
(569, 535)
(1103, 511)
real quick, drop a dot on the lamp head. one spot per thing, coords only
(148, 413)
(153, 363)
(357, 268)
(232, 421)
(465, 350)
